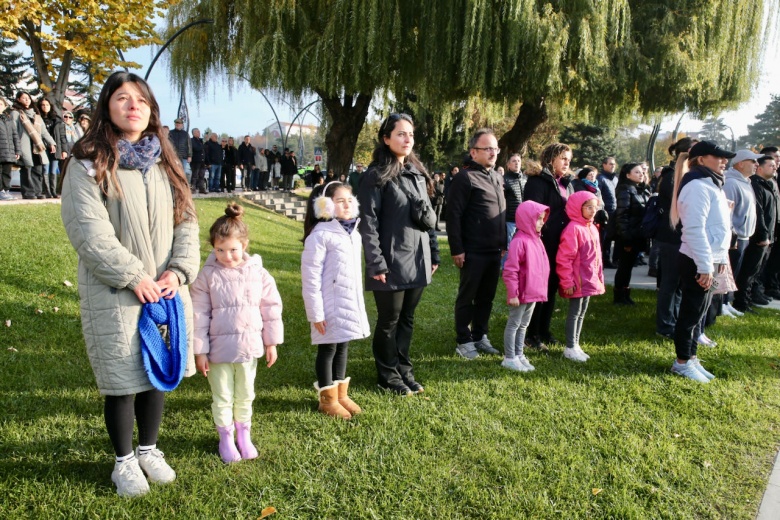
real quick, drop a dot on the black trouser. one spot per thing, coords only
(478, 282)
(771, 275)
(331, 364)
(264, 180)
(198, 176)
(393, 334)
(5, 176)
(228, 177)
(626, 260)
(669, 289)
(119, 412)
(607, 242)
(31, 180)
(539, 327)
(694, 303)
(748, 271)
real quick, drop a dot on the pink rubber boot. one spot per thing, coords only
(245, 446)
(227, 445)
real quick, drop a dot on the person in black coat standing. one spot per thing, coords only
(198, 163)
(10, 150)
(551, 187)
(631, 197)
(400, 257)
(476, 231)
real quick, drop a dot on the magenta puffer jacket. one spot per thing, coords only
(527, 267)
(237, 311)
(332, 280)
(578, 263)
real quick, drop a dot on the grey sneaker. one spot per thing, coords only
(484, 345)
(689, 371)
(4, 195)
(467, 350)
(129, 479)
(574, 355)
(527, 364)
(154, 465)
(513, 364)
(701, 369)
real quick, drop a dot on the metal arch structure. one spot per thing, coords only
(170, 40)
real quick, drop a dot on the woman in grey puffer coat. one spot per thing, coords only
(10, 149)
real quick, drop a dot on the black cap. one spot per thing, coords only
(703, 148)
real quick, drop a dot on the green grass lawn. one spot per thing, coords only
(618, 437)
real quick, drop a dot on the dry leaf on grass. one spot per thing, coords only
(12, 349)
(39, 311)
(7, 323)
(596, 491)
(56, 309)
(268, 511)
(66, 283)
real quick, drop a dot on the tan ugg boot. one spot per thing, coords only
(329, 401)
(344, 399)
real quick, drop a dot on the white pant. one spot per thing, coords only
(232, 391)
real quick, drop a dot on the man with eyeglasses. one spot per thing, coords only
(607, 181)
(476, 230)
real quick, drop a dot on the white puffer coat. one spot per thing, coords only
(118, 243)
(331, 273)
(238, 311)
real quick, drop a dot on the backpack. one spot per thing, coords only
(652, 219)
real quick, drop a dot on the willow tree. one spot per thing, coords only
(92, 31)
(599, 58)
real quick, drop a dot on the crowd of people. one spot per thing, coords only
(128, 210)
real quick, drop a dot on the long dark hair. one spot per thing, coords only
(99, 145)
(385, 160)
(18, 105)
(324, 190)
(625, 170)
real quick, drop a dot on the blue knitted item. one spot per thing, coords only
(164, 366)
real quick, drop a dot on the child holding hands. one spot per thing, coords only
(525, 275)
(331, 275)
(238, 319)
(579, 267)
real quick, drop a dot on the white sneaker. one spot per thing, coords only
(724, 311)
(513, 364)
(574, 355)
(704, 341)
(689, 370)
(733, 311)
(129, 479)
(527, 364)
(581, 352)
(154, 465)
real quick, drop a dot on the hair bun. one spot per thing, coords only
(233, 210)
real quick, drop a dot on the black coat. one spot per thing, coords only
(10, 145)
(766, 210)
(231, 156)
(246, 154)
(198, 150)
(392, 244)
(181, 143)
(214, 155)
(514, 184)
(665, 192)
(631, 199)
(543, 188)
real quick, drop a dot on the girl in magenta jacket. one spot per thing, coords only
(579, 267)
(525, 275)
(238, 319)
(332, 280)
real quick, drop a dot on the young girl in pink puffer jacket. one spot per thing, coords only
(331, 275)
(579, 267)
(238, 319)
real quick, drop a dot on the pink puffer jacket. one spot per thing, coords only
(579, 262)
(527, 267)
(237, 311)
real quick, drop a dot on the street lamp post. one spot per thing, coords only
(170, 40)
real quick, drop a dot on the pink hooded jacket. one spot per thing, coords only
(237, 311)
(579, 262)
(527, 267)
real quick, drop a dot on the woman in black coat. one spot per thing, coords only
(631, 197)
(51, 120)
(400, 258)
(10, 150)
(230, 165)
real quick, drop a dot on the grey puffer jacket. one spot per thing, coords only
(392, 244)
(27, 146)
(118, 243)
(10, 146)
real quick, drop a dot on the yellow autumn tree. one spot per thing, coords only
(90, 31)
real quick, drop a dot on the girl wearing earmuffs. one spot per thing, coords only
(333, 291)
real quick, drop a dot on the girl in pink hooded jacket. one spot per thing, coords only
(238, 319)
(579, 267)
(332, 283)
(525, 275)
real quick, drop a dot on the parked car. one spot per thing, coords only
(15, 183)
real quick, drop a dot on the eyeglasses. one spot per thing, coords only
(67, 117)
(489, 150)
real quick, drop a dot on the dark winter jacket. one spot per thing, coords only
(181, 143)
(9, 140)
(514, 184)
(766, 210)
(52, 121)
(289, 165)
(392, 244)
(61, 138)
(198, 150)
(543, 188)
(631, 200)
(608, 186)
(246, 154)
(231, 156)
(476, 211)
(214, 154)
(665, 232)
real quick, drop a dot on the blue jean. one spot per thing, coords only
(511, 228)
(215, 170)
(516, 326)
(187, 170)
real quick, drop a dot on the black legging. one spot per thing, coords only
(119, 412)
(626, 260)
(331, 363)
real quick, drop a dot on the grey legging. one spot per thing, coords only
(577, 309)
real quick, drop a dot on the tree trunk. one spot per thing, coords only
(532, 114)
(54, 91)
(348, 117)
